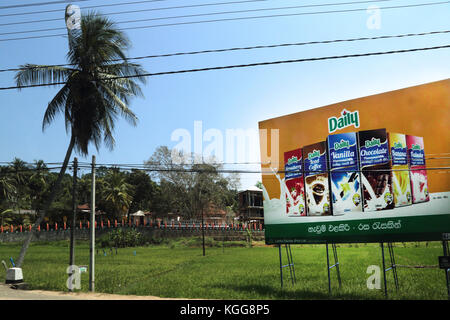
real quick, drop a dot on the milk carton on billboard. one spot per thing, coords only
(344, 175)
(295, 187)
(401, 184)
(316, 179)
(418, 172)
(376, 170)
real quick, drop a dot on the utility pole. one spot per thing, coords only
(203, 231)
(74, 216)
(92, 226)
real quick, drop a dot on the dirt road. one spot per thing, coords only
(7, 293)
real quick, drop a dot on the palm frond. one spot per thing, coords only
(55, 106)
(116, 102)
(41, 74)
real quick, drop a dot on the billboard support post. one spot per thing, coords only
(446, 249)
(335, 265)
(384, 269)
(393, 266)
(289, 264)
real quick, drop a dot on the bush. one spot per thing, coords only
(122, 238)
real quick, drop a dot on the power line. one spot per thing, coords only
(108, 5)
(217, 170)
(214, 20)
(200, 5)
(38, 4)
(148, 163)
(146, 10)
(250, 48)
(240, 66)
(182, 168)
(191, 16)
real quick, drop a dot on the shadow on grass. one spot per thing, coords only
(289, 292)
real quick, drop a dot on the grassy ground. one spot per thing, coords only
(178, 269)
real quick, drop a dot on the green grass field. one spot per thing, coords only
(178, 270)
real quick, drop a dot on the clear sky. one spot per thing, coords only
(227, 99)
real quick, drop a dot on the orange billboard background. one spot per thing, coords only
(422, 110)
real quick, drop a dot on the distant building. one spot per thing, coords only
(214, 215)
(251, 205)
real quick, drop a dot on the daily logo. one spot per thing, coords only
(314, 154)
(372, 143)
(341, 145)
(292, 160)
(347, 119)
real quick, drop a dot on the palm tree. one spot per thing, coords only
(20, 172)
(117, 192)
(7, 185)
(38, 184)
(8, 191)
(97, 90)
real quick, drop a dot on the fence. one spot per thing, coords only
(123, 223)
(57, 232)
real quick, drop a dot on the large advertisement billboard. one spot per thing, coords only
(370, 169)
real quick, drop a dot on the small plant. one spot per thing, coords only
(249, 238)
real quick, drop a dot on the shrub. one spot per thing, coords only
(123, 238)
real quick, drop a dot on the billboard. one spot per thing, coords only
(370, 169)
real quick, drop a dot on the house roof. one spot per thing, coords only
(252, 188)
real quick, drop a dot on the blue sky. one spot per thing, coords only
(228, 99)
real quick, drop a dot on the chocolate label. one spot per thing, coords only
(374, 151)
(376, 175)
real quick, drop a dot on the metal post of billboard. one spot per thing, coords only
(281, 264)
(290, 264)
(384, 269)
(335, 265)
(393, 264)
(392, 267)
(446, 249)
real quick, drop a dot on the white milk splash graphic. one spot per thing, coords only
(275, 208)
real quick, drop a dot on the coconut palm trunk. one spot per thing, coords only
(48, 203)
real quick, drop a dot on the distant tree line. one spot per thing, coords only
(161, 188)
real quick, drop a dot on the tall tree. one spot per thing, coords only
(92, 97)
(38, 185)
(117, 192)
(20, 173)
(145, 190)
(7, 186)
(191, 186)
